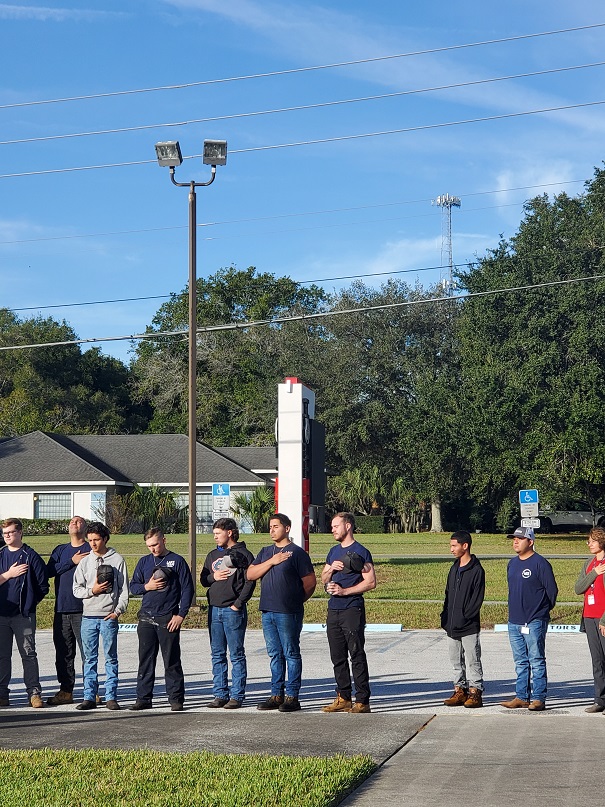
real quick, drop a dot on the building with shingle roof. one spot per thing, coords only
(48, 475)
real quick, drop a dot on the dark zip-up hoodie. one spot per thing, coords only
(21, 595)
(464, 593)
(235, 590)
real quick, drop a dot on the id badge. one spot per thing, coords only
(590, 600)
(525, 629)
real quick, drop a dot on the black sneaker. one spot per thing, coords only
(274, 702)
(217, 703)
(86, 705)
(290, 704)
(176, 706)
(138, 706)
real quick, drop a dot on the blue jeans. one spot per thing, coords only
(282, 637)
(91, 631)
(227, 630)
(529, 656)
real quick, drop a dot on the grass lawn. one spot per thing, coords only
(91, 778)
(400, 579)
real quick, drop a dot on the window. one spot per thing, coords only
(203, 507)
(52, 505)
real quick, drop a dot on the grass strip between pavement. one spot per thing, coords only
(115, 778)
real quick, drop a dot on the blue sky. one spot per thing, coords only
(349, 207)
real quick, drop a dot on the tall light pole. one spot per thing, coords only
(169, 155)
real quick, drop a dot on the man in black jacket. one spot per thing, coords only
(224, 575)
(460, 618)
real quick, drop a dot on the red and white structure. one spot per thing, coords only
(300, 487)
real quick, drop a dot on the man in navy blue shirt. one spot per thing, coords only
(532, 594)
(67, 621)
(23, 584)
(287, 581)
(347, 575)
(164, 580)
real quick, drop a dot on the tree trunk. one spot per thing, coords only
(436, 525)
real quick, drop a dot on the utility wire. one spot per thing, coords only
(302, 107)
(289, 215)
(240, 326)
(298, 282)
(319, 141)
(304, 69)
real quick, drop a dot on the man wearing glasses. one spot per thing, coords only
(23, 584)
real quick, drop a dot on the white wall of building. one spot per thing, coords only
(20, 502)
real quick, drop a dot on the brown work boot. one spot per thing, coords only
(273, 702)
(338, 705)
(36, 701)
(475, 699)
(359, 709)
(459, 697)
(60, 698)
(537, 706)
(516, 703)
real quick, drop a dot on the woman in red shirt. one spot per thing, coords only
(590, 583)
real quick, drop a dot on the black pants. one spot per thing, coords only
(66, 638)
(346, 638)
(596, 645)
(153, 636)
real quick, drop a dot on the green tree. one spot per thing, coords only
(60, 388)
(533, 362)
(237, 371)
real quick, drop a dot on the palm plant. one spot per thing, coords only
(257, 507)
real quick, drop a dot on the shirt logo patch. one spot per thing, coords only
(526, 573)
(170, 562)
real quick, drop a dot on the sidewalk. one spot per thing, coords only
(429, 754)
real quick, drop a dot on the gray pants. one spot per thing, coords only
(465, 656)
(23, 629)
(596, 644)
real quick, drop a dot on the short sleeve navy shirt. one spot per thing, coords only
(347, 578)
(281, 587)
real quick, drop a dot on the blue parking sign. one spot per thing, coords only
(528, 497)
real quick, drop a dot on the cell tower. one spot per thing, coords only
(446, 202)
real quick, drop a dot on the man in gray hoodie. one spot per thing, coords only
(101, 582)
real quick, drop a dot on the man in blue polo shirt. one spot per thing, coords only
(532, 594)
(288, 580)
(347, 575)
(67, 622)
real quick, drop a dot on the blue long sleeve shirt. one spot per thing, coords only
(532, 589)
(176, 597)
(62, 568)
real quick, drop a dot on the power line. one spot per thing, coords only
(302, 107)
(278, 216)
(167, 296)
(240, 326)
(308, 69)
(318, 141)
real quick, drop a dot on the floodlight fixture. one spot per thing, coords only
(215, 152)
(169, 156)
(169, 153)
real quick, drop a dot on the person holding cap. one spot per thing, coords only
(224, 575)
(347, 575)
(164, 581)
(532, 594)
